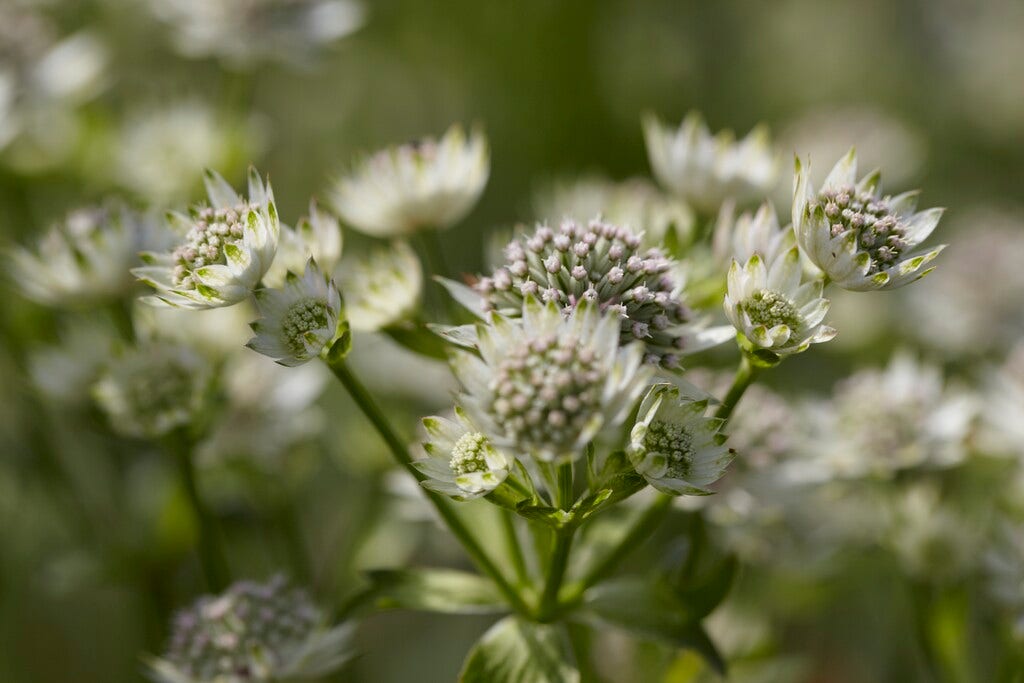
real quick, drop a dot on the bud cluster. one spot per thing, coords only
(469, 454)
(770, 308)
(204, 245)
(675, 443)
(304, 317)
(880, 232)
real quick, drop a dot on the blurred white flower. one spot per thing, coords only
(66, 371)
(242, 32)
(82, 260)
(740, 237)
(316, 236)
(1004, 564)
(427, 185)
(224, 249)
(706, 169)
(929, 536)
(382, 287)
(770, 307)
(1002, 417)
(299, 321)
(858, 238)
(216, 332)
(462, 462)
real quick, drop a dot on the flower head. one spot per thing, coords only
(251, 633)
(605, 265)
(298, 321)
(82, 260)
(547, 384)
(382, 287)
(224, 249)
(740, 237)
(317, 236)
(772, 309)
(706, 170)
(859, 238)
(674, 446)
(463, 462)
(430, 184)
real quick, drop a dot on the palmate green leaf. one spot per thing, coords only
(516, 651)
(434, 590)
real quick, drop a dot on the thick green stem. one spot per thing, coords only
(556, 572)
(512, 545)
(744, 376)
(398, 450)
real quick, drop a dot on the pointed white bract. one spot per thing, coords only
(706, 169)
(316, 236)
(859, 238)
(299, 320)
(225, 248)
(546, 385)
(427, 185)
(382, 287)
(768, 304)
(462, 462)
(740, 237)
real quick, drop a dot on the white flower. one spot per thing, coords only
(215, 332)
(82, 260)
(1002, 418)
(674, 446)
(317, 236)
(462, 462)
(771, 308)
(706, 170)
(1004, 564)
(245, 31)
(430, 184)
(153, 388)
(858, 238)
(298, 321)
(225, 248)
(741, 237)
(252, 633)
(546, 385)
(930, 536)
(382, 287)
(65, 372)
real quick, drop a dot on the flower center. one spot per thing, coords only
(205, 241)
(879, 230)
(305, 316)
(546, 390)
(468, 454)
(770, 308)
(673, 442)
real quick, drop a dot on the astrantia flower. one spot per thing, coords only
(225, 248)
(769, 306)
(382, 287)
(860, 239)
(706, 170)
(462, 462)
(547, 384)
(317, 236)
(251, 633)
(674, 446)
(82, 260)
(430, 184)
(153, 388)
(603, 264)
(748, 234)
(298, 321)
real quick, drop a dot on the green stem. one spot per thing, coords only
(291, 530)
(211, 554)
(373, 413)
(565, 487)
(556, 572)
(515, 550)
(744, 376)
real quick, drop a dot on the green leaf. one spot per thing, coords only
(418, 340)
(515, 651)
(703, 596)
(340, 348)
(434, 590)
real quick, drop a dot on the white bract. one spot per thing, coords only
(316, 236)
(462, 462)
(382, 287)
(546, 385)
(427, 185)
(298, 321)
(769, 306)
(706, 169)
(740, 237)
(860, 239)
(224, 250)
(674, 446)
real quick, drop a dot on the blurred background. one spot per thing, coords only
(132, 98)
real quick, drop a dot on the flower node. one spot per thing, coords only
(770, 308)
(469, 454)
(674, 443)
(205, 241)
(305, 316)
(879, 231)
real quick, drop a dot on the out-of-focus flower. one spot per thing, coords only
(66, 371)
(770, 307)
(82, 260)
(547, 384)
(748, 234)
(225, 248)
(462, 462)
(253, 632)
(153, 388)
(1002, 418)
(242, 32)
(635, 204)
(316, 236)
(1004, 563)
(298, 321)
(705, 170)
(426, 185)
(858, 238)
(215, 332)
(382, 287)
(928, 535)
(603, 264)
(674, 446)
(160, 147)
